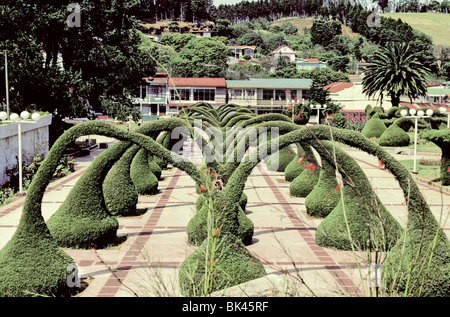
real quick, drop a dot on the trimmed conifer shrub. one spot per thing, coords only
(154, 166)
(83, 219)
(359, 216)
(394, 136)
(143, 179)
(279, 161)
(442, 139)
(374, 127)
(239, 224)
(303, 184)
(324, 196)
(295, 167)
(121, 196)
(230, 264)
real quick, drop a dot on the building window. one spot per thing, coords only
(305, 94)
(293, 94)
(267, 94)
(204, 94)
(180, 94)
(280, 94)
(250, 93)
(157, 91)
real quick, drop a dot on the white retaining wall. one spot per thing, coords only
(35, 137)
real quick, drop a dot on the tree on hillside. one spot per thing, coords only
(322, 32)
(200, 57)
(397, 70)
(83, 66)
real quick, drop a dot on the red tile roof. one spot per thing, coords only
(312, 60)
(197, 82)
(337, 86)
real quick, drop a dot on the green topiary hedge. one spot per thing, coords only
(239, 224)
(324, 197)
(278, 162)
(216, 265)
(359, 216)
(394, 136)
(374, 127)
(303, 184)
(144, 180)
(442, 139)
(83, 219)
(121, 196)
(154, 166)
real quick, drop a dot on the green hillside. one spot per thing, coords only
(436, 25)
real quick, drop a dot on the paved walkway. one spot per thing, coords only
(146, 264)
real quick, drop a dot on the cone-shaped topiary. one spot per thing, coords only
(154, 167)
(83, 219)
(295, 167)
(197, 229)
(324, 196)
(219, 263)
(359, 216)
(442, 139)
(144, 180)
(394, 136)
(121, 196)
(374, 127)
(280, 160)
(303, 184)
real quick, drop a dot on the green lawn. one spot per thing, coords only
(436, 25)
(429, 172)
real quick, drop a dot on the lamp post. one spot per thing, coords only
(319, 107)
(416, 117)
(23, 118)
(6, 82)
(443, 110)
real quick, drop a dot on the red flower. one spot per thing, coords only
(448, 170)
(202, 189)
(289, 107)
(300, 160)
(250, 261)
(217, 231)
(298, 116)
(337, 187)
(207, 172)
(211, 261)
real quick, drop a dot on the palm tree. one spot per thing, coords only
(397, 70)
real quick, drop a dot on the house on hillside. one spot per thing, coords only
(264, 95)
(202, 33)
(284, 51)
(238, 51)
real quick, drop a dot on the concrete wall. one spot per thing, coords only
(35, 138)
